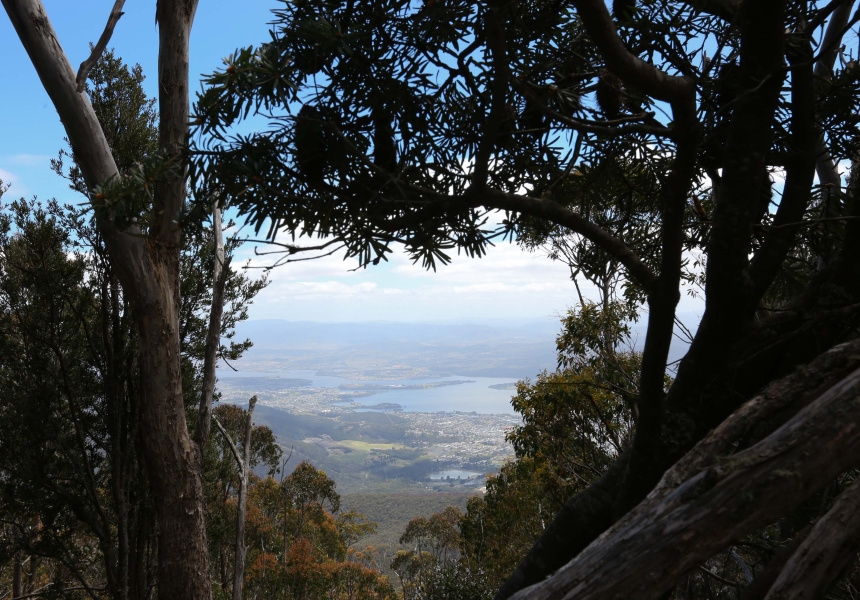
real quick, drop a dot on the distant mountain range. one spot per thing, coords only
(388, 350)
(515, 351)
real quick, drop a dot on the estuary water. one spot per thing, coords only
(461, 394)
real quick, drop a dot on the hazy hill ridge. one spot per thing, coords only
(401, 350)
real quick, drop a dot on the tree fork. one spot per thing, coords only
(148, 268)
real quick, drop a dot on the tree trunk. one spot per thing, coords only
(239, 570)
(243, 463)
(18, 575)
(171, 459)
(707, 500)
(31, 576)
(148, 268)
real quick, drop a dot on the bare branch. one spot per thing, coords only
(100, 46)
(810, 222)
(286, 258)
(92, 152)
(229, 441)
(220, 273)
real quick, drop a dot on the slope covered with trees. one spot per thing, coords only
(665, 142)
(662, 143)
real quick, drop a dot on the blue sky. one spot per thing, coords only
(508, 284)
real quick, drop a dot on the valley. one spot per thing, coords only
(407, 419)
(383, 407)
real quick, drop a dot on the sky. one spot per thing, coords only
(508, 284)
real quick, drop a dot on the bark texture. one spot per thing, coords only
(239, 568)
(148, 268)
(213, 333)
(824, 552)
(645, 553)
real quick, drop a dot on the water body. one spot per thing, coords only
(454, 474)
(470, 394)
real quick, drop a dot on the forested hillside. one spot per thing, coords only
(655, 148)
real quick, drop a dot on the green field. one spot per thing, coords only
(368, 446)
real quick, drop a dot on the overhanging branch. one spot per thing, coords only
(100, 46)
(556, 213)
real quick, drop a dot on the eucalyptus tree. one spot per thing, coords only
(140, 216)
(394, 122)
(70, 443)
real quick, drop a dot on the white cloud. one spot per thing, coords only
(507, 283)
(14, 182)
(29, 160)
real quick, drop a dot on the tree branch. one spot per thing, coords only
(635, 471)
(100, 46)
(55, 72)
(824, 552)
(229, 441)
(725, 9)
(664, 293)
(494, 31)
(629, 67)
(836, 28)
(800, 170)
(734, 496)
(556, 213)
(220, 272)
(92, 152)
(612, 128)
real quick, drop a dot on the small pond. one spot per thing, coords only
(453, 474)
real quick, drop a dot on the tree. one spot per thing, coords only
(139, 216)
(433, 569)
(575, 423)
(299, 547)
(258, 444)
(99, 526)
(397, 123)
(71, 474)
